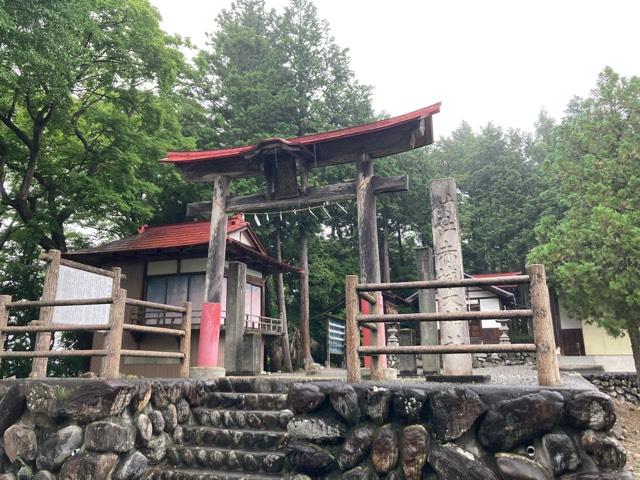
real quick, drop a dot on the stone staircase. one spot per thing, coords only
(233, 435)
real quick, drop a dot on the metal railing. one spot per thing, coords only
(544, 343)
(112, 350)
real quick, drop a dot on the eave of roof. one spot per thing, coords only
(187, 236)
(304, 141)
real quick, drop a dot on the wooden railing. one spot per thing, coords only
(544, 341)
(267, 325)
(112, 350)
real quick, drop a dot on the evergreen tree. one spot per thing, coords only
(590, 233)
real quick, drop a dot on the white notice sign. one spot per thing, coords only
(75, 284)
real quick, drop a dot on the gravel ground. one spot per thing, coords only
(527, 375)
(523, 375)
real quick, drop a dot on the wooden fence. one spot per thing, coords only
(544, 341)
(112, 351)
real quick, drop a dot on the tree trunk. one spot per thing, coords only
(304, 299)
(386, 264)
(634, 337)
(282, 306)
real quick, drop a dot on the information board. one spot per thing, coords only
(76, 284)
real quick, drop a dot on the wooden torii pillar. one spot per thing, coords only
(369, 257)
(210, 319)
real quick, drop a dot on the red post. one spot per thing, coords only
(366, 333)
(209, 335)
(365, 307)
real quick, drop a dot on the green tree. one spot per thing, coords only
(499, 176)
(590, 234)
(86, 110)
(88, 104)
(268, 74)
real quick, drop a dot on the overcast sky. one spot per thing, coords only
(486, 61)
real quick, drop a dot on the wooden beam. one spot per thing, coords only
(54, 353)
(49, 289)
(305, 335)
(60, 303)
(352, 332)
(234, 320)
(444, 316)
(451, 348)
(53, 327)
(110, 367)
(325, 193)
(282, 306)
(548, 371)
(151, 354)
(4, 318)
(462, 282)
(156, 306)
(185, 341)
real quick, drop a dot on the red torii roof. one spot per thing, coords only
(304, 141)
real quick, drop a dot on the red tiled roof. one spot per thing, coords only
(183, 157)
(498, 274)
(170, 236)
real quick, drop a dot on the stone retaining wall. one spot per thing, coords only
(481, 360)
(623, 386)
(268, 428)
(474, 433)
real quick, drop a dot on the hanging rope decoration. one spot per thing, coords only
(280, 214)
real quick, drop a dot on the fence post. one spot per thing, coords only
(4, 318)
(548, 371)
(43, 339)
(185, 341)
(113, 341)
(352, 332)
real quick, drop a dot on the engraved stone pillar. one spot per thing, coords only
(448, 263)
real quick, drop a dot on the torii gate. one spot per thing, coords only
(285, 166)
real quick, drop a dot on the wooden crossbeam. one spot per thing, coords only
(314, 195)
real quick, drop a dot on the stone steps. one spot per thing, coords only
(194, 474)
(243, 419)
(247, 401)
(255, 460)
(233, 438)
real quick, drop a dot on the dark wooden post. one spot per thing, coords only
(305, 335)
(113, 342)
(185, 341)
(352, 332)
(386, 263)
(212, 306)
(448, 264)
(217, 240)
(234, 320)
(282, 306)
(548, 371)
(427, 303)
(4, 318)
(43, 339)
(368, 247)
